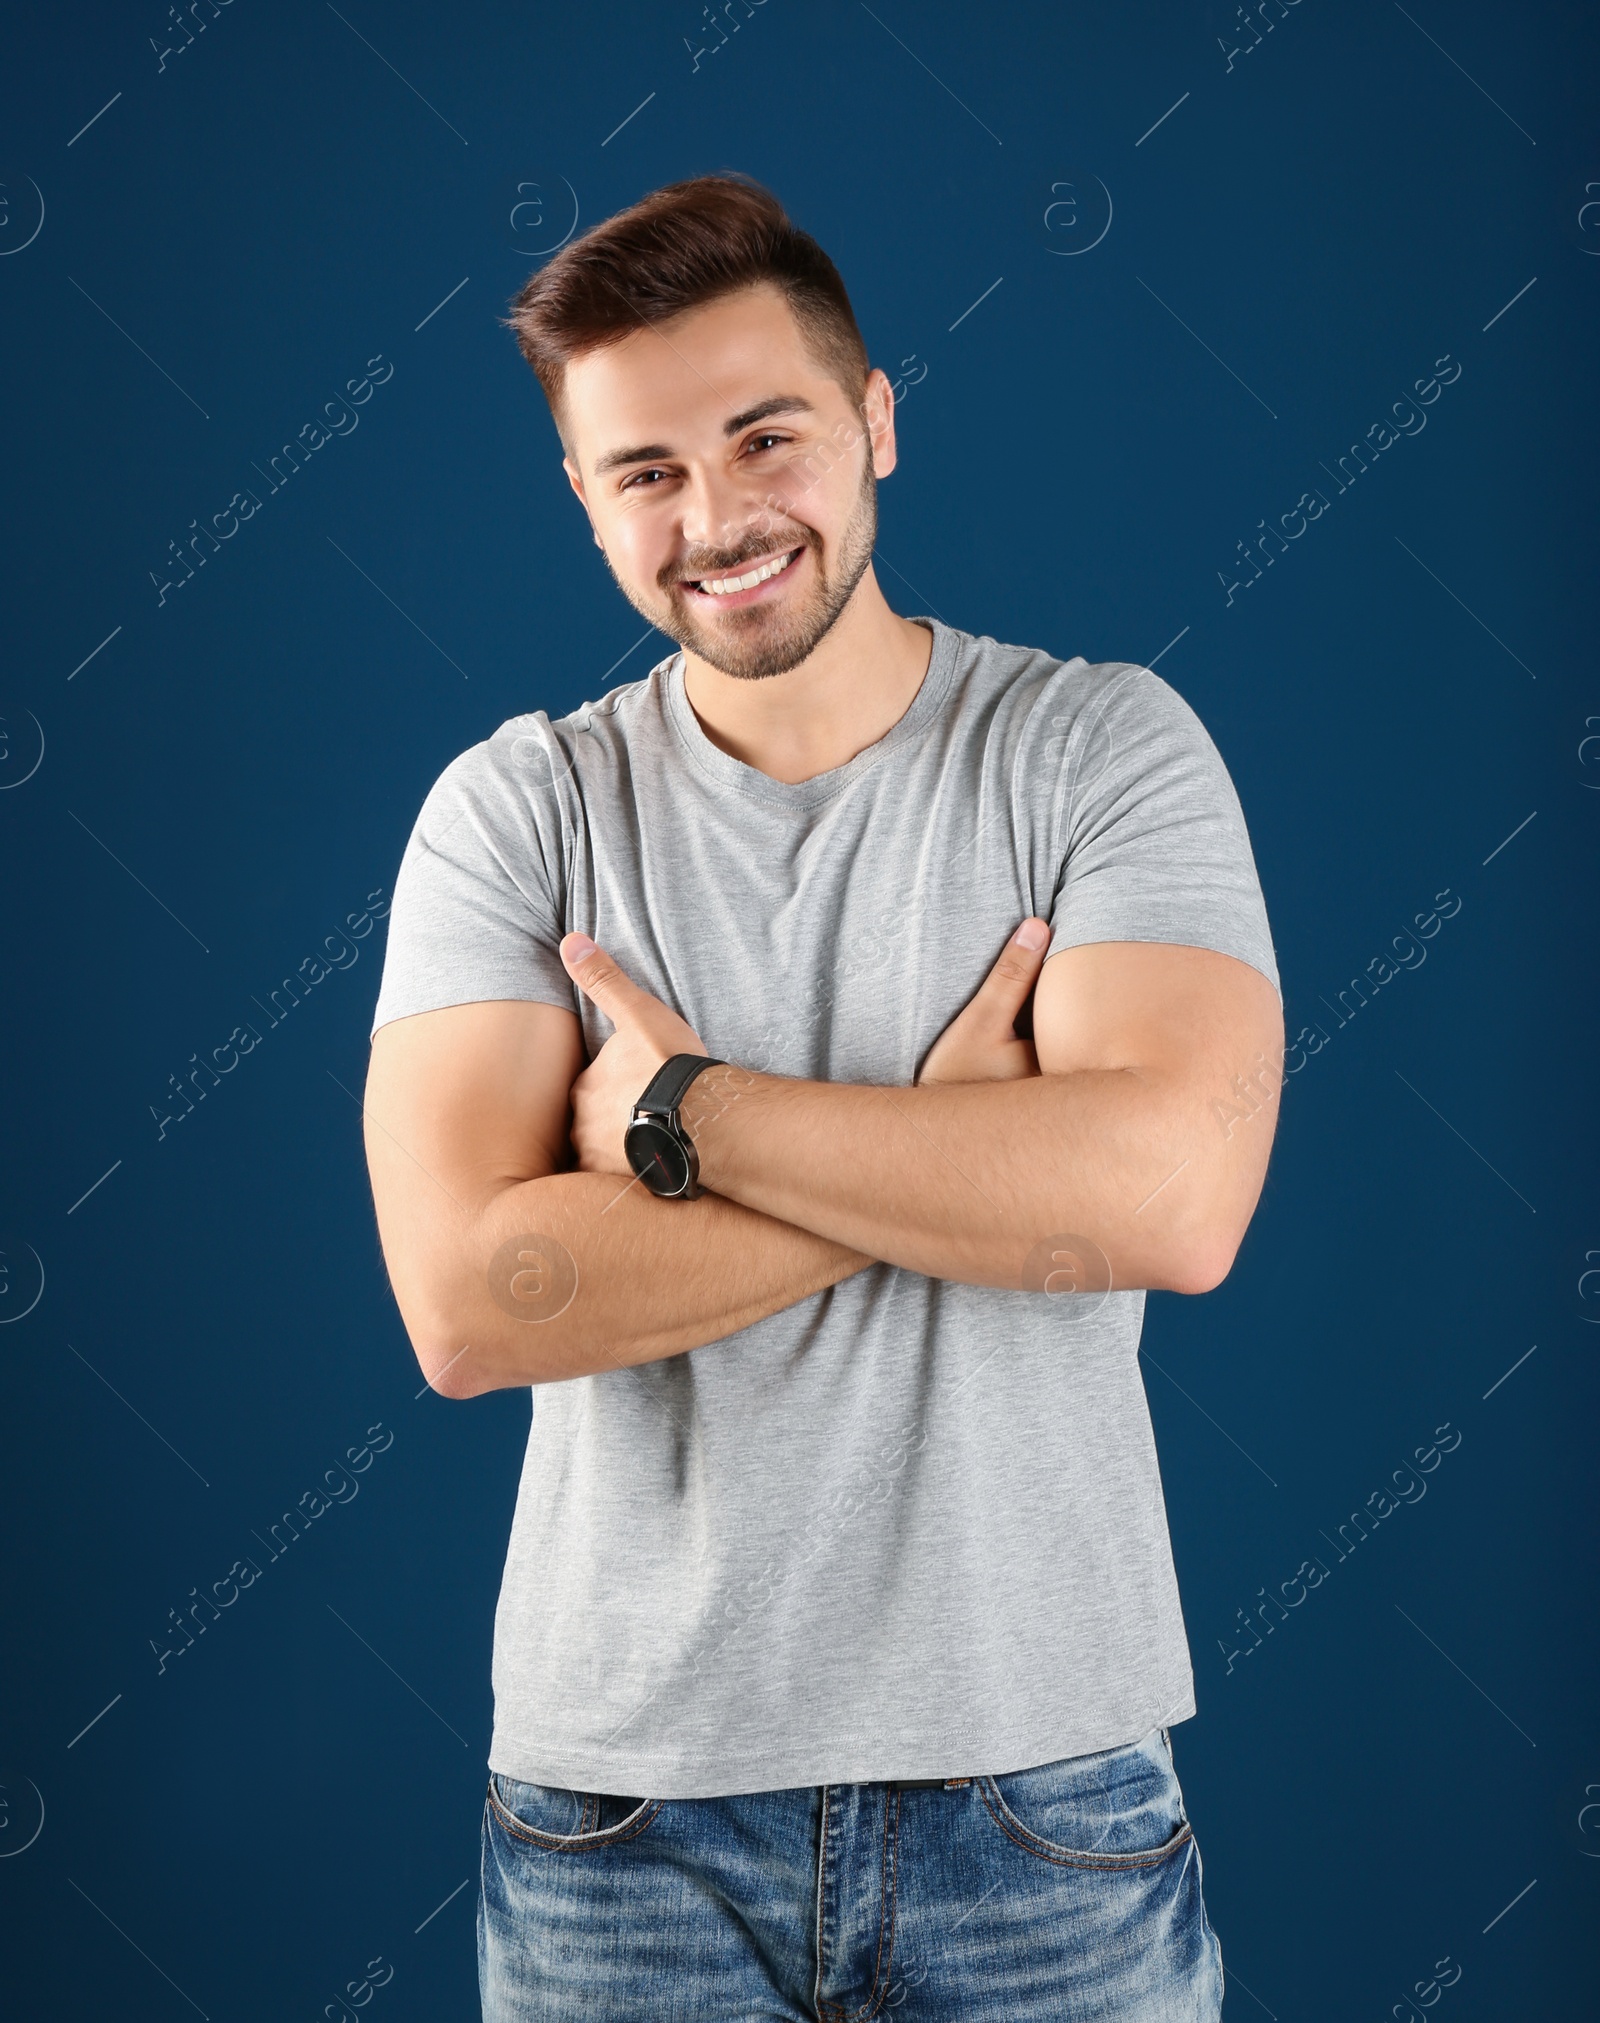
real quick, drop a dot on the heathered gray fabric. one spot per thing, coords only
(905, 1528)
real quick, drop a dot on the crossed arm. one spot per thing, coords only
(1137, 1123)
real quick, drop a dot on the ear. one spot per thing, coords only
(877, 411)
(576, 482)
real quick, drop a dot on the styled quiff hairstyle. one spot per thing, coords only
(676, 249)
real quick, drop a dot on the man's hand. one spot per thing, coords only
(647, 1033)
(1119, 1139)
(980, 1044)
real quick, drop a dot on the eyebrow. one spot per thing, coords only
(644, 453)
(777, 403)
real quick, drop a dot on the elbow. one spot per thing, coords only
(1203, 1274)
(462, 1353)
(1204, 1246)
(450, 1350)
(1204, 1264)
(452, 1368)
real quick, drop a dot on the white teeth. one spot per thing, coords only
(725, 586)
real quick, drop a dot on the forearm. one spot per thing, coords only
(575, 1273)
(965, 1181)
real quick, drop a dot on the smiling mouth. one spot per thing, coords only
(735, 588)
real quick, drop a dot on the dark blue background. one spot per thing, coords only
(233, 772)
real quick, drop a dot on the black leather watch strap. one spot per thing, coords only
(670, 1081)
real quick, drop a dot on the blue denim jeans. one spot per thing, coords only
(1069, 1892)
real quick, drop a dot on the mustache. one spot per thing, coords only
(737, 564)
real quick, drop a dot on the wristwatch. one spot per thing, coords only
(659, 1150)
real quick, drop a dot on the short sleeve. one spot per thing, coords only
(1151, 836)
(479, 899)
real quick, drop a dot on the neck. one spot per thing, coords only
(849, 692)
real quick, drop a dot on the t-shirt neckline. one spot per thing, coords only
(726, 770)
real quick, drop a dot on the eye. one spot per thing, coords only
(653, 472)
(755, 442)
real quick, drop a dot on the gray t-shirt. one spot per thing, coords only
(905, 1528)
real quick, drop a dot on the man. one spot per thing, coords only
(839, 1637)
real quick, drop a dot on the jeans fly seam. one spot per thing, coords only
(825, 2011)
(882, 1978)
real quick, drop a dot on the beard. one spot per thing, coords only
(767, 639)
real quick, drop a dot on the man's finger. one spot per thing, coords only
(1004, 991)
(600, 980)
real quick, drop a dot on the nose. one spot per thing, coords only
(718, 511)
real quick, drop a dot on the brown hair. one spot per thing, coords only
(676, 249)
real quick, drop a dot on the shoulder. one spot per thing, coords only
(1037, 700)
(527, 759)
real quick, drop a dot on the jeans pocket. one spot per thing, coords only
(1117, 1809)
(549, 1816)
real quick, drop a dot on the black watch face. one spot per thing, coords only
(657, 1157)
